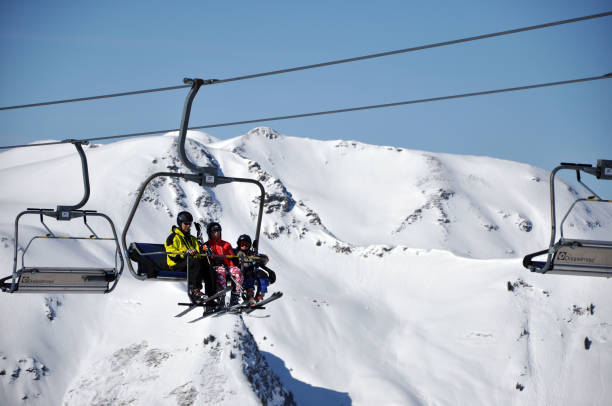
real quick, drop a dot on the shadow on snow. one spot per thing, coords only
(303, 393)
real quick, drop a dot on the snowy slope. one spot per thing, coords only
(401, 271)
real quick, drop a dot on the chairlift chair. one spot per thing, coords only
(151, 257)
(34, 279)
(572, 256)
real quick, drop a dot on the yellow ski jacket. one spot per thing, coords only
(179, 243)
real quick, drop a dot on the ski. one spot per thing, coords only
(187, 310)
(192, 305)
(260, 305)
(240, 308)
(208, 313)
(246, 309)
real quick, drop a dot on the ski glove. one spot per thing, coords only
(263, 259)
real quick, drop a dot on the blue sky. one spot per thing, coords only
(56, 50)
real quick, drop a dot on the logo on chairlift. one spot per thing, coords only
(28, 279)
(567, 257)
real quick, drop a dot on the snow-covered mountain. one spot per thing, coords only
(401, 271)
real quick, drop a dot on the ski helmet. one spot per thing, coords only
(214, 226)
(243, 238)
(184, 217)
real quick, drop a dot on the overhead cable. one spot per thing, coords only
(329, 63)
(105, 96)
(419, 48)
(337, 111)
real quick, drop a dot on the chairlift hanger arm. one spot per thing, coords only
(209, 174)
(63, 212)
(195, 86)
(67, 212)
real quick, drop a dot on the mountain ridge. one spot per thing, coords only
(438, 312)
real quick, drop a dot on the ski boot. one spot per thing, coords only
(234, 298)
(196, 296)
(215, 305)
(250, 297)
(259, 297)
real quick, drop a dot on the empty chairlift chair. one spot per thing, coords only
(571, 256)
(33, 279)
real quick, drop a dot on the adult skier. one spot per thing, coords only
(181, 245)
(223, 267)
(253, 275)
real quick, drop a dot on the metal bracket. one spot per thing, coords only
(195, 86)
(64, 212)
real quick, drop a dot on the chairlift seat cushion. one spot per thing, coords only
(153, 265)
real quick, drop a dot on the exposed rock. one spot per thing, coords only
(342, 248)
(265, 383)
(266, 132)
(377, 250)
(278, 198)
(524, 224)
(122, 357)
(51, 306)
(155, 357)
(519, 283)
(171, 162)
(581, 311)
(185, 395)
(435, 201)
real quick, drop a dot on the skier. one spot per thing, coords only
(181, 242)
(221, 266)
(252, 274)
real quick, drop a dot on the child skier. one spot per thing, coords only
(252, 274)
(223, 267)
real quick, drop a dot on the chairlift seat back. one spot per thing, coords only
(49, 279)
(151, 260)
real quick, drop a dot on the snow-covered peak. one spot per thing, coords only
(198, 136)
(265, 132)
